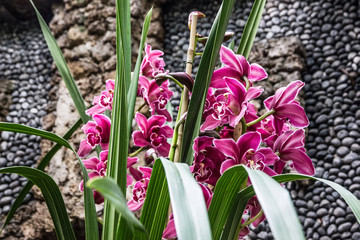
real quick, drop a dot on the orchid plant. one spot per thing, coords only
(213, 175)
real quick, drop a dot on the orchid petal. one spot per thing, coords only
(104, 156)
(302, 162)
(228, 147)
(210, 123)
(134, 206)
(217, 80)
(257, 73)
(201, 143)
(142, 122)
(84, 148)
(105, 123)
(253, 93)
(110, 84)
(129, 180)
(96, 109)
(131, 161)
(294, 112)
(91, 163)
(250, 140)
(139, 139)
(228, 57)
(156, 120)
(295, 140)
(227, 164)
(270, 156)
(170, 230)
(245, 66)
(289, 93)
(164, 149)
(279, 166)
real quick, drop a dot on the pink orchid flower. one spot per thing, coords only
(97, 133)
(236, 66)
(246, 151)
(153, 133)
(290, 147)
(229, 105)
(267, 129)
(104, 101)
(207, 161)
(139, 191)
(170, 230)
(156, 96)
(152, 64)
(254, 207)
(286, 107)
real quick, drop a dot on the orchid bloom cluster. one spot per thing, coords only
(267, 143)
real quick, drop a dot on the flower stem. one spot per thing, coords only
(247, 223)
(137, 152)
(265, 115)
(173, 79)
(246, 82)
(140, 107)
(185, 94)
(175, 139)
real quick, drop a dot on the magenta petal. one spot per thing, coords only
(295, 140)
(84, 148)
(129, 180)
(280, 140)
(170, 230)
(227, 164)
(136, 174)
(139, 139)
(104, 155)
(217, 80)
(104, 146)
(131, 161)
(165, 113)
(228, 147)
(141, 120)
(250, 140)
(228, 57)
(134, 206)
(110, 84)
(269, 102)
(236, 88)
(164, 149)
(289, 93)
(207, 194)
(302, 162)
(294, 112)
(97, 109)
(146, 171)
(270, 156)
(278, 125)
(279, 166)
(91, 163)
(269, 171)
(88, 126)
(156, 121)
(201, 142)
(257, 73)
(210, 123)
(253, 93)
(105, 123)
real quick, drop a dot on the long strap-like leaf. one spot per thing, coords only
(43, 163)
(135, 77)
(52, 196)
(250, 30)
(119, 136)
(62, 67)
(187, 201)
(202, 80)
(229, 205)
(111, 191)
(91, 227)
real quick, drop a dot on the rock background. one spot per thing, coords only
(85, 31)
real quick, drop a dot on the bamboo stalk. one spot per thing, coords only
(185, 93)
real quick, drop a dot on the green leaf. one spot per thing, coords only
(156, 206)
(119, 136)
(43, 163)
(202, 80)
(52, 196)
(108, 188)
(229, 204)
(62, 67)
(187, 201)
(226, 189)
(135, 78)
(250, 29)
(91, 227)
(277, 206)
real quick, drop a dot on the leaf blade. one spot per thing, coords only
(202, 80)
(52, 197)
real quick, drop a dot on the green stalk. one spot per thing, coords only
(265, 115)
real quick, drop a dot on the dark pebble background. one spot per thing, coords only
(24, 59)
(330, 33)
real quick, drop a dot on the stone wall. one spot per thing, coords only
(85, 31)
